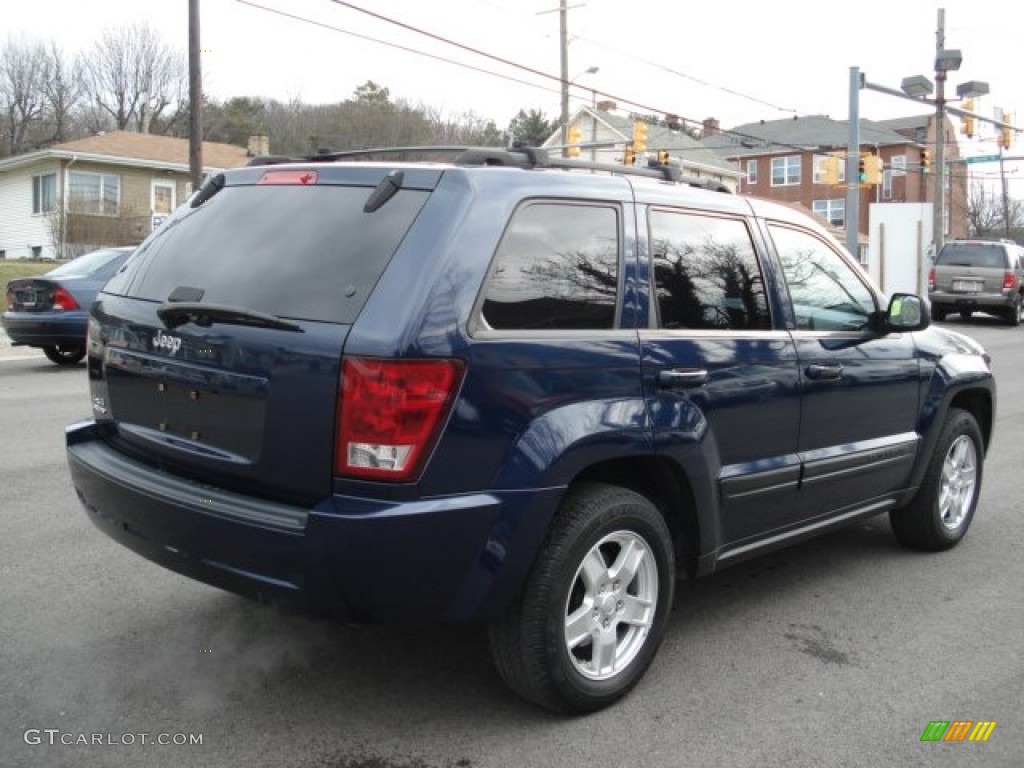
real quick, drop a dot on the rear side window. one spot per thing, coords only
(303, 252)
(706, 275)
(557, 268)
(972, 255)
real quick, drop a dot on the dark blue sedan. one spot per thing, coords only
(52, 311)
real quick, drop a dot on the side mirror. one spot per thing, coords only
(907, 312)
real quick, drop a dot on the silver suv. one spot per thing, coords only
(978, 275)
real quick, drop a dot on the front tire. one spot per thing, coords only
(941, 512)
(595, 607)
(65, 354)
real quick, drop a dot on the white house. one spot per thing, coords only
(108, 189)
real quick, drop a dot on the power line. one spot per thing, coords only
(741, 137)
(396, 46)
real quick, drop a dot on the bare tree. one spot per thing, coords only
(22, 75)
(62, 89)
(135, 78)
(989, 215)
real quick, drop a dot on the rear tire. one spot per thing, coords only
(65, 354)
(941, 512)
(594, 609)
(938, 315)
(1013, 316)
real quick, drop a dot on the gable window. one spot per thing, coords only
(95, 193)
(44, 192)
(751, 171)
(832, 210)
(786, 171)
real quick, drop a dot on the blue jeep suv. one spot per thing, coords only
(510, 389)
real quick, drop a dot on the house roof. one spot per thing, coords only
(797, 133)
(659, 137)
(136, 149)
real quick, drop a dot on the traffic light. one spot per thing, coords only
(830, 170)
(639, 137)
(873, 169)
(862, 170)
(662, 157)
(967, 121)
(575, 137)
(926, 161)
(629, 156)
(1007, 138)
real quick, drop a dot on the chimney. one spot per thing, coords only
(709, 127)
(606, 106)
(258, 145)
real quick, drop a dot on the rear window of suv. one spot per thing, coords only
(302, 252)
(972, 255)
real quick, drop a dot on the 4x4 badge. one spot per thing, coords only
(163, 340)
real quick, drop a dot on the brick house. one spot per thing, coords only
(108, 189)
(783, 160)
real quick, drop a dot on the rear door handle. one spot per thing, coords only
(674, 379)
(824, 372)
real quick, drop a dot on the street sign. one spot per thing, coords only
(981, 159)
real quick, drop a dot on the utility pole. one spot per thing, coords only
(852, 165)
(939, 205)
(195, 98)
(563, 41)
(1006, 194)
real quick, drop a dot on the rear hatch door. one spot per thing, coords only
(215, 353)
(971, 268)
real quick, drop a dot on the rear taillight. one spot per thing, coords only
(390, 412)
(63, 300)
(1009, 280)
(931, 279)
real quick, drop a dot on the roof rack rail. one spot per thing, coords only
(330, 155)
(516, 156)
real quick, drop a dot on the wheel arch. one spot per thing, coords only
(668, 488)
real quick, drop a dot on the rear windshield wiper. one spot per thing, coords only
(178, 313)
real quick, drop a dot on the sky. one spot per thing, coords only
(739, 62)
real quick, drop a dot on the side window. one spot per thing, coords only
(557, 268)
(706, 275)
(827, 293)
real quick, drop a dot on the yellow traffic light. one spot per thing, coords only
(639, 137)
(575, 137)
(830, 170)
(873, 169)
(967, 121)
(629, 156)
(926, 161)
(662, 157)
(1007, 138)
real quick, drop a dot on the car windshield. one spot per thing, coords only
(972, 255)
(86, 264)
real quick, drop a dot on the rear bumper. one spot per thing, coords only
(979, 301)
(438, 559)
(38, 329)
